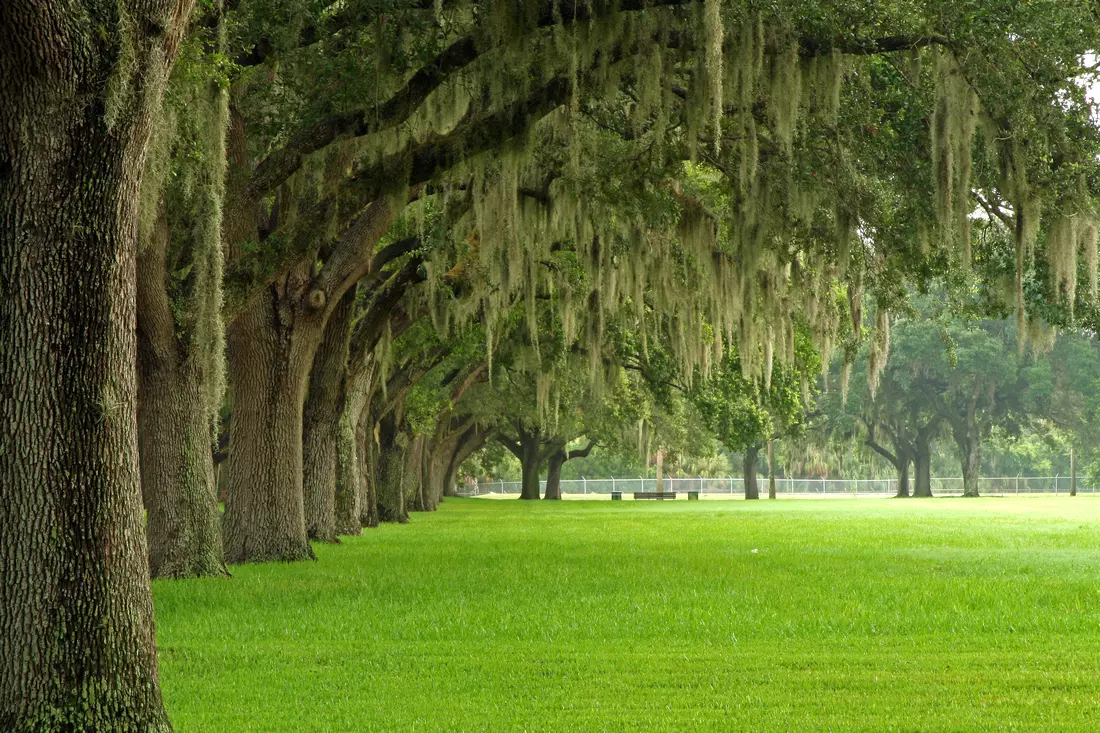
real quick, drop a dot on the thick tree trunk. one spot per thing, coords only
(351, 451)
(922, 462)
(553, 474)
(530, 462)
(349, 471)
(77, 648)
(471, 442)
(970, 456)
(367, 450)
(414, 477)
(392, 459)
(903, 478)
(268, 371)
(176, 434)
(752, 489)
(177, 477)
(321, 423)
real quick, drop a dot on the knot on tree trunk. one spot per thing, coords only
(317, 299)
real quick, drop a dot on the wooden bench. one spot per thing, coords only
(658, 495)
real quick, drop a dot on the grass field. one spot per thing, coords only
(793, 615)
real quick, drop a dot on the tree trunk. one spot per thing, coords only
(970, 457)
(903, 478)
(471, 442)
(1072, 472)
(77, 646)
(367, 451)
(752, 490)
(175, 434)
(922, 462)
(321, 423)
(771, 469)
(268, 372)
(177, 477)
(530, 462)
(391, 460)
(553, 474)
(971, 468)
(414, 477)
(349, 475)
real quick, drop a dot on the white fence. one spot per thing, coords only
(999, 486)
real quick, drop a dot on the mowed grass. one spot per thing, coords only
(796, 615)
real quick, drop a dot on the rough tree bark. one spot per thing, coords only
(321, 423)
(271, 344)
(269, 363)
(177, 465)
(367, 451)
(351, 457)
(752, 488)
(391, 451)
(77, 647)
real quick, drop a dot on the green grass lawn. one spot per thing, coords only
(795, 615)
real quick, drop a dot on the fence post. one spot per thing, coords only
(731, 485)
(1017, 484)
(584, 481)
(823, 486)
(700, 486)
(612, 484)
(1056, 485)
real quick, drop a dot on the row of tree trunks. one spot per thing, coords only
(77, 649)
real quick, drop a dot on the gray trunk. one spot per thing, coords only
(553, 474)
(176, 435)
(752, 488)
(922, 462)
(268, 372)
(77, 644)
(321, 423)
(903, 478)
(391, 461)
(367, 450)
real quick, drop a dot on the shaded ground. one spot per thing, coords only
(944, 614)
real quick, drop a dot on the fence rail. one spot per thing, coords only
(988, 486)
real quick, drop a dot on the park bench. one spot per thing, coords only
(658, 495)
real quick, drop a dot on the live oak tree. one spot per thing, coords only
(181, 334)
(814, 126)
(83, 83)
